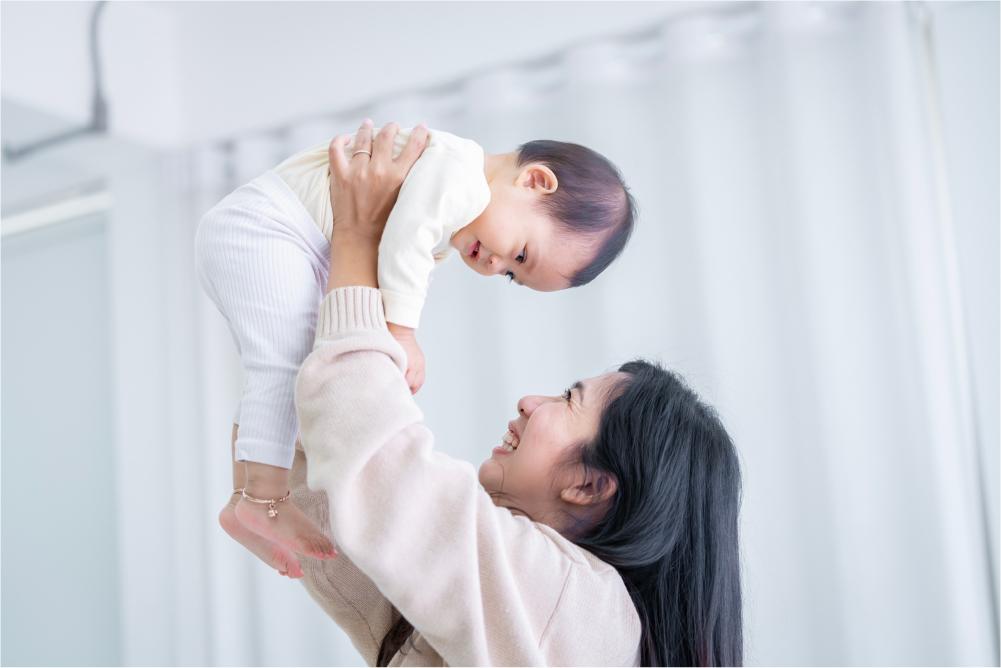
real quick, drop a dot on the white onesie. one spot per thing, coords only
(262, 255)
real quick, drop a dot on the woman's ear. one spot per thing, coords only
(539, 177)
(596, 488)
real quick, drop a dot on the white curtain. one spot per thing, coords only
(793, 259)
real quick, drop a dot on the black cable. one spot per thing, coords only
(99, 107)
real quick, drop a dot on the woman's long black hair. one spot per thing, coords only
(671, 527)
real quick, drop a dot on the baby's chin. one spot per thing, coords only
(455, 241)
(460, 246)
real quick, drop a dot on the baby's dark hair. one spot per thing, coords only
(590, 200)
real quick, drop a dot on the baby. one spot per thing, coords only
(550, 215)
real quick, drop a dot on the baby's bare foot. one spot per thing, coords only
(291, 529)
(274, 555)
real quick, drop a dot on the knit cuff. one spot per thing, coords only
(349, 309)
(402, 309)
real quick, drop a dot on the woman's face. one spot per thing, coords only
(528, 479)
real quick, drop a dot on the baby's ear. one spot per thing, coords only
(539, 177)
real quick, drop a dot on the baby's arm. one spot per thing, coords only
(414, 227)
(415, 356)
(426, 205)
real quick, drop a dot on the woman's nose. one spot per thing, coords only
(527, 405)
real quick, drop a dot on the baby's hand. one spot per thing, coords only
(415, 356)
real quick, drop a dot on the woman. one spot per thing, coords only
(605, 533)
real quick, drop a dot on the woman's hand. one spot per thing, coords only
(363, 191)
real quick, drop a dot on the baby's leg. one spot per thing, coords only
(267, 281)
(290, 527)
(274, 555)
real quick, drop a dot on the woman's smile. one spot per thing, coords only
(510, 443)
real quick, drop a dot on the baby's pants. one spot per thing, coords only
(263, 261)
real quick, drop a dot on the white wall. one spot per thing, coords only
(178, 72)
(143, 215)
(46, 65)
(966, 41)
(50, 278)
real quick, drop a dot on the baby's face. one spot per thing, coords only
(512, 238)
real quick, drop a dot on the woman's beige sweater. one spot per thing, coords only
(416, 531)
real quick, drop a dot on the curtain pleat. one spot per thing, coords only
(787, 260)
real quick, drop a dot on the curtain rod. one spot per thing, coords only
(55, 208)
(732, 7)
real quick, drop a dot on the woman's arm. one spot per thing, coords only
(338, 586)
(481, 585)
(344, 592)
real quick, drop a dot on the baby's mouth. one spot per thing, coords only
(476, 250)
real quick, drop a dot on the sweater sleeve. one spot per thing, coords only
(346, 594)
(435, 191)
(479, 583)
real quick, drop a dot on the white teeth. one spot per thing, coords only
(511, 439)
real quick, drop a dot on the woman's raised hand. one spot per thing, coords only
(364, 186)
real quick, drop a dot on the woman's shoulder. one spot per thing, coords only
(584, 560)
(595, 617)
(555, 556)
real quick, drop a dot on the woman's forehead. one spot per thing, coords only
(596, 387)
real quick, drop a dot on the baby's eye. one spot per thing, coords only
(521, 256)
(510, 276)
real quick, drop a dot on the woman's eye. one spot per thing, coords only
(521, 256)
(566, 395)
(510, 276)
